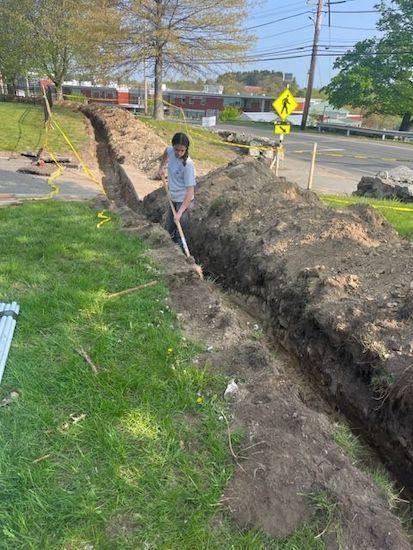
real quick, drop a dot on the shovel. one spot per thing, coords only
(188, 255)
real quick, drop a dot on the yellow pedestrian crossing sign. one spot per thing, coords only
(285, 104)
(283, 128)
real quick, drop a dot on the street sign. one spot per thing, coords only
(285, 104)
(283, 128)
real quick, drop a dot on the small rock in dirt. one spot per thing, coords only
(231, 390)
(281, 226)
(13, 396)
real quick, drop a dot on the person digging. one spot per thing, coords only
(180, 190)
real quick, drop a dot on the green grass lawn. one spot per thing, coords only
(133, 457)
(204, 145)
(399, 214)
(22, 128)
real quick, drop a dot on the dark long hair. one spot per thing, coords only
(182, 139)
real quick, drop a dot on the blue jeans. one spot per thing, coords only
(171, 225)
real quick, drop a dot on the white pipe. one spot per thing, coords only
(7, 325)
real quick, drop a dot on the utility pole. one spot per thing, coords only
(312, 65)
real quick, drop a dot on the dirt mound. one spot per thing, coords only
(336, 286)
(127, 137)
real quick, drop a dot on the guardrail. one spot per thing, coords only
(405, 136)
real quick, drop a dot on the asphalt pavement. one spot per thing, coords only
(341, 160)
(72, 184)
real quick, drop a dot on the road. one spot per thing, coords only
(337, 153)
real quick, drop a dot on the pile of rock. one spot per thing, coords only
(257, 146)
(391, 184)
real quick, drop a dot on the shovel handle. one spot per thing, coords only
(178, 224)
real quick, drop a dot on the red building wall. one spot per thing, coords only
(123, 97)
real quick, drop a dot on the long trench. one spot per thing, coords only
(121, 191)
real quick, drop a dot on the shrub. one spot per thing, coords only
(229, 113)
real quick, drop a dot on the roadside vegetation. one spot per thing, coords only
(205, 146)
(398, 213)
(22, 128)
(134, 455)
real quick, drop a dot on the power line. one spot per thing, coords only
(357, 11)
(352, 28)
(298, 56)
(277, 20)
(285, 32)
(268, 13)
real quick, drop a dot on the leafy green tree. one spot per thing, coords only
(15, 41)
(186, 35)
(272, 82)
(197, 85)
(57, 38)
(377, 74)
(74, 36)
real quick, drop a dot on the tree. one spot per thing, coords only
(186, 35)
(377, 75)
(73, 36)
(15, 47)
(57, 38)
(272, 82)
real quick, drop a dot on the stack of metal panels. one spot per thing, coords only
(8, 317)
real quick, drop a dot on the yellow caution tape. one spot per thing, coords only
(242, 145)
(363, 157)
(104, 218)
(343, 201)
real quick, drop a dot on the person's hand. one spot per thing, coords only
(177, 217)
(161, 173)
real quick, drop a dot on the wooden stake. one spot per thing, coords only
(133, 289)
(274, 160)
(44, 457)
(311, 174)
(88, 360)
(277, 164)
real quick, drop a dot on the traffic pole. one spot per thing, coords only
(312, 65)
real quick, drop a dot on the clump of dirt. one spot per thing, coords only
(335, 284)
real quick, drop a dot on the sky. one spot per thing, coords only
(278, 39)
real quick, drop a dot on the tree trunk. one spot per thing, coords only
(406, 123)
(59, 90)
(158, 107)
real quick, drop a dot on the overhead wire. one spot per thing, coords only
(289, 31)
(277, 20)
(267, 13)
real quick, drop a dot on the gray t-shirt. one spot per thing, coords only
(179, 176)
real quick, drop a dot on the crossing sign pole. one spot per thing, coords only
(283, 105)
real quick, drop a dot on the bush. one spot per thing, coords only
(229, 113)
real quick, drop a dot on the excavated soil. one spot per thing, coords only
(334, 288)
